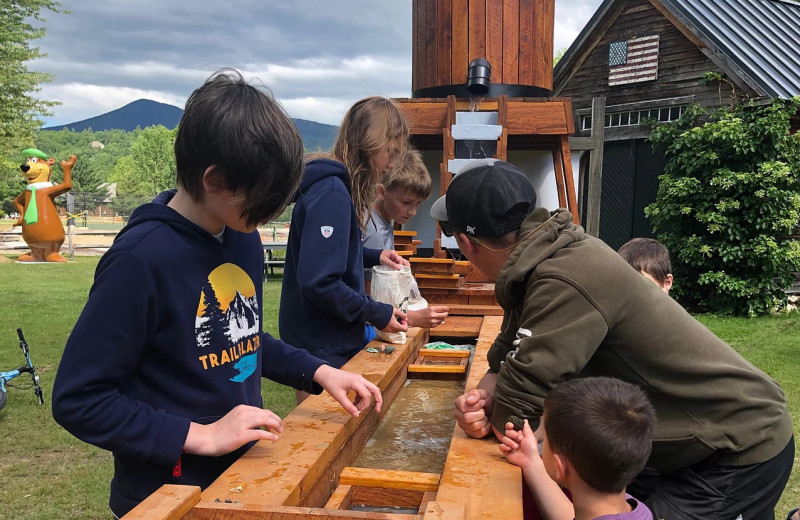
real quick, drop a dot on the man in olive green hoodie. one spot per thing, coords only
(723, 445)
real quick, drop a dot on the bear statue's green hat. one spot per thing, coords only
(33, 152)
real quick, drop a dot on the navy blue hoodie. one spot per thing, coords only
(171, 333)
(323, 306)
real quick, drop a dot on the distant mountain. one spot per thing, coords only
(316, 136)
(144, 112)
(141, 113)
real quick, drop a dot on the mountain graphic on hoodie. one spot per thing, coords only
(242, 317)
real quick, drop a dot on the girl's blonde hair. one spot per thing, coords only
(367, 127)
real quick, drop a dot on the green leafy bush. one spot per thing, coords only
(727, 203)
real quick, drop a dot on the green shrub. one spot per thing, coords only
(728, 200)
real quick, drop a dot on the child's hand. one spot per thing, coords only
(389, 257)
(398, 323)
(235, 429)
(339, 383)
(429, 317)
(520, 447)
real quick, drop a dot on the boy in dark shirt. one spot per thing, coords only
(164, 365)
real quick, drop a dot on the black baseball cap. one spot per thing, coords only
(487, 198)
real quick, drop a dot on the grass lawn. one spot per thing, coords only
(46, 473)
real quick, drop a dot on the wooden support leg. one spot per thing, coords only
(572, 199)
(559, 172)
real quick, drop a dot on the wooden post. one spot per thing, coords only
(594, 193)
(70, 222)
(70, 230)
(502, 112)
(594, 144)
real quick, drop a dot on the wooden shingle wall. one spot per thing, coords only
(682, 64)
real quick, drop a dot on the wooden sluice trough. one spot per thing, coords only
(308, 472)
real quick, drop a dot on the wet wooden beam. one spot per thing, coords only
(386, 497)
(170, 502)
(475, 310)
(430, 496)
(217, 511)
(341, 498)
(458, 327)
(440, 281)
(390, 479)
(444, 353)
(440, 361)
(450, 368)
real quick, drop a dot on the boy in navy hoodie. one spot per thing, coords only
(164, 365)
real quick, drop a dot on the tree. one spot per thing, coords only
(132, 191)
(97, 152)
(20, 110)
(727, 203)
(558, 55)
(154, 159)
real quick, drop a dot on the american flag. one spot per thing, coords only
(633, 60)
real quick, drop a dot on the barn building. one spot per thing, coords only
(639, 59)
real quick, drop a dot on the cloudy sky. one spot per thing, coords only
(317, 56)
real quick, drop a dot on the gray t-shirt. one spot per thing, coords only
(379, 235)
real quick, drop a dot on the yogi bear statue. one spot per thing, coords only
(41, 225)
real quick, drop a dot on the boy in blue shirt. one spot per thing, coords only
(401, 191)
(164, 365)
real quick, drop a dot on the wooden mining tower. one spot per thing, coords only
(516, 38)
(458, 108)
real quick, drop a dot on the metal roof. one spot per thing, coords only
(760, 37)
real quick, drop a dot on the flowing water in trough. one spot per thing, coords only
(415, 433)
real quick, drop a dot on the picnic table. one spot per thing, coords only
(270, 260)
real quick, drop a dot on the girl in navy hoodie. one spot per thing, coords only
(323, 306)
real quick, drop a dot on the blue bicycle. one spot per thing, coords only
(6, 377)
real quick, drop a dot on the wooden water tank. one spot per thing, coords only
(515, 36)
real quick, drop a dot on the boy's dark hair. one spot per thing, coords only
(242, 132)
(648, 255)
(410, 175)
(603, 426)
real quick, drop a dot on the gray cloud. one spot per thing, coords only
(317, 56)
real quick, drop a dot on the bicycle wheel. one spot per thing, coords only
(3, 398)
